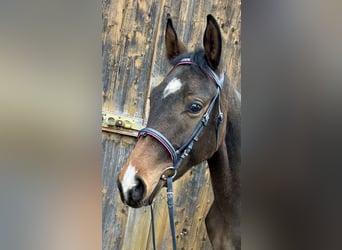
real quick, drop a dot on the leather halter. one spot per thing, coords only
(179, 155)
(182, 152)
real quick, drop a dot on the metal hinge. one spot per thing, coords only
(121, 124)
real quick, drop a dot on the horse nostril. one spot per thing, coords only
(137, 193)
(132, 193)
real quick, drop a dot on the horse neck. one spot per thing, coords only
(224, 165)
(220, 174)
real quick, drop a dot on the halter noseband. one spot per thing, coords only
(182, 152)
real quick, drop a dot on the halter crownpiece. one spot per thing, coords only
(207, 70)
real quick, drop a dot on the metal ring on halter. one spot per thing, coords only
(164, 177)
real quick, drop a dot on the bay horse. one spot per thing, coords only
(194, 116)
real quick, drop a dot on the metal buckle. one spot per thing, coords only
(164, 176)
(205, 119)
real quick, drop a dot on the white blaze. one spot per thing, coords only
(129, 180)
(172, 87)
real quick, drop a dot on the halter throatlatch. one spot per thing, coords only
(182, 152)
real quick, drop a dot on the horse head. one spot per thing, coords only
(189, 97)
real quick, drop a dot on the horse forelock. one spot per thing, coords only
(197, 56)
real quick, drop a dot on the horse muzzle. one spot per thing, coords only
(133, 189)
(134, 194)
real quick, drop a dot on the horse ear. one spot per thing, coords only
(174, 47)
(212, 42)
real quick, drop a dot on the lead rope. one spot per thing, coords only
(171, 216)
(171, 212)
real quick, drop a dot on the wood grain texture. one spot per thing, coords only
(134, 61)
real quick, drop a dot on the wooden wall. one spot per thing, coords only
(133, 62)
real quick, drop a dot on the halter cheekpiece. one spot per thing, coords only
(182, 152)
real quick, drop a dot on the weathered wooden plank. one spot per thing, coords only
(116, 149)
(228, 15)
(128, 40)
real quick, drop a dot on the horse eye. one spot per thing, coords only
(195, 108)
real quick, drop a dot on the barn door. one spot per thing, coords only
(134, 61)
